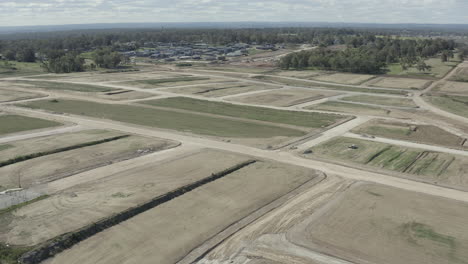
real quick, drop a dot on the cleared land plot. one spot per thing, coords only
(399, 83)
(312, 120)
(335, 106)
(301, 83)
(380, 100)
(20, 69)
(65, 86)
(88, 202)
(55, 166)
(173, 81)
(218, 90)
(167, 119)
(453, 87)
(170, 231)
(48, 143)
(17, 123)
(378, 224)
(124, 95)
(301, 74)
(434, 167)
(439, 69)
(461, 74)
(426, 134)
(344, 78)
(108, 77)
(454, 104)
(12, 95)
(283, 97)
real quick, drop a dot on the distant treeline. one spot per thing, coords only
(371, 54)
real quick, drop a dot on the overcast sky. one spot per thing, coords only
(53, 12)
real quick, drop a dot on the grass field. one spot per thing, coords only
(425, 165)
(439, 69)
(300, 83)
(426, 134)
(12, 95)
(20, 69)
(66, 86)
(283, 97)
(379, 100)
(399, 83)
(454, 104)
(379, 224)
(343, 107)
(170, 231)
(16, 123)
(185, 122)
(313, 120)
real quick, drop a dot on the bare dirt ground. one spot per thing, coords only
(460, 88)
(400, 83)
(345, 78)
(7, 95)
(218, 90)
(55, 166)
(90, 201)
(283, 97)
(168, 232)
(378, 224)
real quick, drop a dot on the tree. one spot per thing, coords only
(422, 66)
(10, 55)
(106, 58)
(26, 55)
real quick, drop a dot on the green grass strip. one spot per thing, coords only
(40, 154)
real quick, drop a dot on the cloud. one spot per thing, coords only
(37, 12)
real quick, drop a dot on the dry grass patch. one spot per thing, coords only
(380, 100)
(453, 87)
(168, 232)
(344, 78)
(379, 224)
(52, 167)
(399, 83)
(283, 97)
(429, 166)
(425, 134)
(335, 106)
(451, 103)
(218, 90)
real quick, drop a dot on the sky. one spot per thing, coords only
(57, 12)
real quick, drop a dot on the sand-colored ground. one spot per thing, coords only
(168, 232)
(48, 143)
(378, 224)
(283, 97)
(7, 95)
(219, 90)
(344, 78)
(452, 87)
(116, 77)
(401, 83)
(88, 202)
(55, 166)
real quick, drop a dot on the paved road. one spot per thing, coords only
(280, 156)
